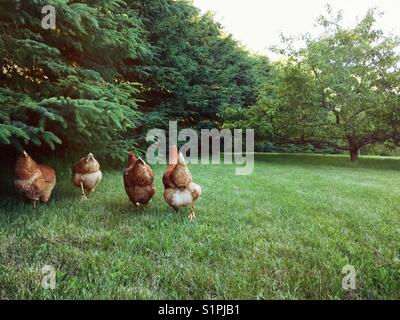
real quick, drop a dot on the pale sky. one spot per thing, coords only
(258, 23)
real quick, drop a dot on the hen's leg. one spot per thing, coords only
(83, 193)
(34, 203)
(192, 215)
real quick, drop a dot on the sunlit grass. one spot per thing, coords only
(284, 232)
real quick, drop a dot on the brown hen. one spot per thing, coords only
(138, 181)
(34, 181)
(86, 174)
(180, 190)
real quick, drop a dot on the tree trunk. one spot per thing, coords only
(354, 151)
(354, 148)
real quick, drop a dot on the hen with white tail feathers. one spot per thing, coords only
(180, 190)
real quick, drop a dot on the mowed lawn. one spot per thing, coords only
(285, 232)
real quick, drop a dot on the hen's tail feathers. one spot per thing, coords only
(173, 155)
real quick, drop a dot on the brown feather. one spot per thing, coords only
(86, 172)
(86, 165)
(177, 180)
(34, 181)
(138, 180)
(181, 176)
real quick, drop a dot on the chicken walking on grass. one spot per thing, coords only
(180, 190)
(138, 181)
(86, 175)
(34, 181)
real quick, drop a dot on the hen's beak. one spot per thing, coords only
(90, 156)
(24, 154)
(141, 160)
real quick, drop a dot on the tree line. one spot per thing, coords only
(113, 69)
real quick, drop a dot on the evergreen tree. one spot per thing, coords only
(197, 69)
(66, 85)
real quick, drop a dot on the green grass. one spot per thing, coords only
(283, 233)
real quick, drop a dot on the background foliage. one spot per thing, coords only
(341, 90)
(113, 69)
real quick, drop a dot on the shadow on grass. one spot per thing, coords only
(12, 205)
(15, 211)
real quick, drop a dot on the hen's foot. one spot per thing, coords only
(192, 216)
(84, 198)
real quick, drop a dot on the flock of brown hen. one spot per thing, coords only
(35, 182)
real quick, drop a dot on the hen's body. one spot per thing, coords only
(89, 180)
(86, 174)
(34, 181)
(138, 181)
(180, 190)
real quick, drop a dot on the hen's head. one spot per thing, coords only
(181, 167)
(24, 166)
(25, 159)
(141, 173)
(140, 163)
(180, 174)
(89, 163)
(131, 159)
(181, 160)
